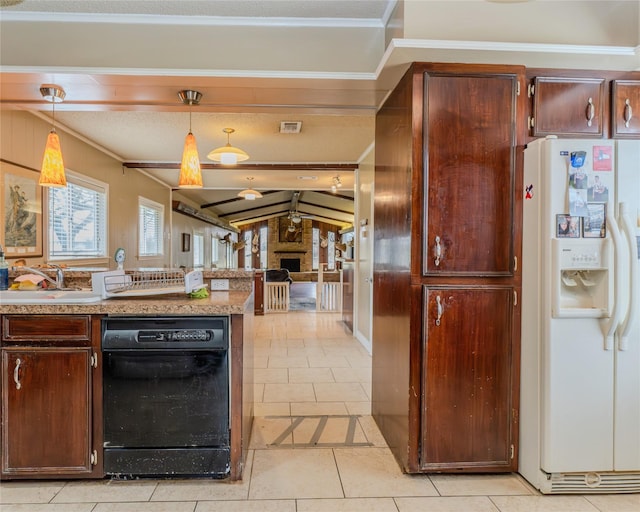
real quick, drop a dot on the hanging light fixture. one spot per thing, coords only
(52, 172)
(190, 172)
(336, 184)
(228, 155)
(249, 193)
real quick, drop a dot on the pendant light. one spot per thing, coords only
(190, 171)
(52, 172)
(228, 155)
(249, 193)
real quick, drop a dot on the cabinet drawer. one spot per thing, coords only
(46, 328)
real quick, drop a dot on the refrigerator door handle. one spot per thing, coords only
(632, 311)
(617, 256)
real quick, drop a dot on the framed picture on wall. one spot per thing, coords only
(20, 212)
(186, 242)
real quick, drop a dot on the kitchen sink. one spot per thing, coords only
(48, 297)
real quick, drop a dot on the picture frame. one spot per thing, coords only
(595, 224)
(567, 226)
(20, 212)
(285, 234)
(186, 242)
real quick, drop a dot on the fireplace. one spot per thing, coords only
(291, 264)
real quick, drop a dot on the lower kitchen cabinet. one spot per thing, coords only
(468, 418)
(51, 398)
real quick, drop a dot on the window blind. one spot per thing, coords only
(150, 228)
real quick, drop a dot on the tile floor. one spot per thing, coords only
(313, 388)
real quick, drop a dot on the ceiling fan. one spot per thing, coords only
(296, 217)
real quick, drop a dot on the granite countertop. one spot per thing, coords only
(218, 303)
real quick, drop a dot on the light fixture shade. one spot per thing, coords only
(228, 155)
(52, 172)
(249, 194)
(190, 172)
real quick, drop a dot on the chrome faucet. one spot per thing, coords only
(58, 283)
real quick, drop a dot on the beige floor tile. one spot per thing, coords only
(334, 392)
(302, 392)
(449, 504)
(258, 392)
(327, 430)
(200, 490)
(288, 362)
(270, 375)
(29, 492)
(306, 351)
(361, 408)
(247, 506)
(270, 352)
(616, 502)
(359, 361)
(168, 506)
(348, 505)
(475, 485)
(371, 431)
(48, 507)
(289, 474)
(352, 374)
(373, 472)
(106, 491)
(266, 431)
(310, 375)
(272, 409)
(328, 362)
(260, 361)
(317, 408)
(543, 504)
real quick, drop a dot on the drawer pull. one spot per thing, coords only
(591, 111)
(628, 113)
(16, 374)
(437, 251)
(439, 304)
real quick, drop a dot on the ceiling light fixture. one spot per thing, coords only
(190, 171)
(228, 155)
(52, 172)
(249, 193)
(336, 184)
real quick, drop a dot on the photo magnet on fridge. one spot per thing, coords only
(567, 226)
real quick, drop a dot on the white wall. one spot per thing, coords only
(23, 139)
(362, 307)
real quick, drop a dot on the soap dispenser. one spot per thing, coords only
(4, 271)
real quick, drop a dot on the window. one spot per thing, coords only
(331, 251)
(78, 219)
(150, 228)
(264, 257)
(198, 250)
(248, 235)
(315, 263)
(215, 254)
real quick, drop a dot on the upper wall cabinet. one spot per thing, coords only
(571, 107)
(625, 109)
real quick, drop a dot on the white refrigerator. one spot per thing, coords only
(580, 359)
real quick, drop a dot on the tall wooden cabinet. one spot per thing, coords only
(446, 284)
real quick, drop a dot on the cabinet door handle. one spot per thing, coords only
(16, 374)
(628, 112)
(437, 251)
(439, 305)
(591, 111)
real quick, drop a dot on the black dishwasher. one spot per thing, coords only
(166, 396)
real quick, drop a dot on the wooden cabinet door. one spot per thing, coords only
(46, 411)
(571, 107)
(625, 109)
(470, 162)
(468, 415)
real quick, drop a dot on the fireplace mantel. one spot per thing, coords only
(301, 251)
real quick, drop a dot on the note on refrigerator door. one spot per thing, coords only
(578, 202)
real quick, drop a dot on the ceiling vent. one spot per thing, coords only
(290, 126)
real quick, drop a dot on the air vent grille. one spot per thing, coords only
(290, 126)
(596, 483)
